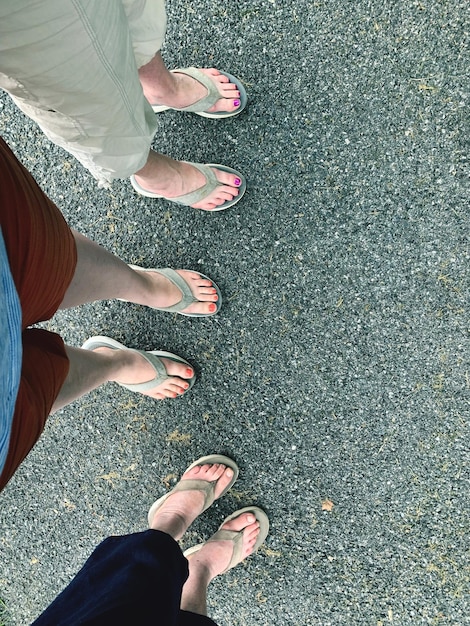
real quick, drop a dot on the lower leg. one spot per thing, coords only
(87, 371)
(157, 81)
(194, 593)
(99, 275)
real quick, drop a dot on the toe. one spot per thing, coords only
(245, 520)
(229, 92)
(202, 307)
(226, 104)
(178, 386)
(203, 290)
(223, 480)
(252, 532)
(172, 389)
(228, 179)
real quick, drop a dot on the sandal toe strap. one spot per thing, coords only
(187, 297)
(192, 484)
(200, 194)
(236, 537)
(160, 372)
(212, 92)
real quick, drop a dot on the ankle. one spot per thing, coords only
(171, 523)
(163, 91)
(122, 364)
(112, 362)
(161, 174)
(157, 81)
(200, 571)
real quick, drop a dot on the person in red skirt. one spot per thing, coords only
(46, 266)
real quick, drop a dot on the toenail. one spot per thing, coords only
(236, 103)
(237, 182)
(228, 472)
(189, 372)
(212, 308)
(251, 518)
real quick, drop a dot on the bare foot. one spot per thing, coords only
(131, 368)
(160, 292)
(181, 508)
(214, 556)
(170, 179)
(187, 90)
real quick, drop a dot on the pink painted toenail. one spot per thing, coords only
(212, 308)
(189, 372)
(236, 103)
(237, 182)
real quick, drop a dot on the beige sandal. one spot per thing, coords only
(236, 537)
(208, 488)
(193, 197)
(200, 107)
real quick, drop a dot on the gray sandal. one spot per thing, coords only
(208, 488)
(211, 183)
(236, 537)
(152, 357)
(200, 107)
(187, 297)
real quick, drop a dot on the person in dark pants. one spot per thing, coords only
(144, 578)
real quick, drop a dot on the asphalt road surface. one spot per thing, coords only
(337, 372)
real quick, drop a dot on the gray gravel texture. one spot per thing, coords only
(337, 370)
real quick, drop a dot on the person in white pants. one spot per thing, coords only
(92, 76)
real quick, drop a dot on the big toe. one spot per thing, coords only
(226, 104)
(227, 178)
(243, 521)
(177, 369)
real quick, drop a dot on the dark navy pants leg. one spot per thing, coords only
(192, 619)
(131, 579)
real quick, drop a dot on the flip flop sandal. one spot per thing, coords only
(208, 488)
(153, 357)
(236, 537)
(186, 293)
(199, 194)
(200, 107)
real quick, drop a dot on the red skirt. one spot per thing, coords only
(42, 255)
